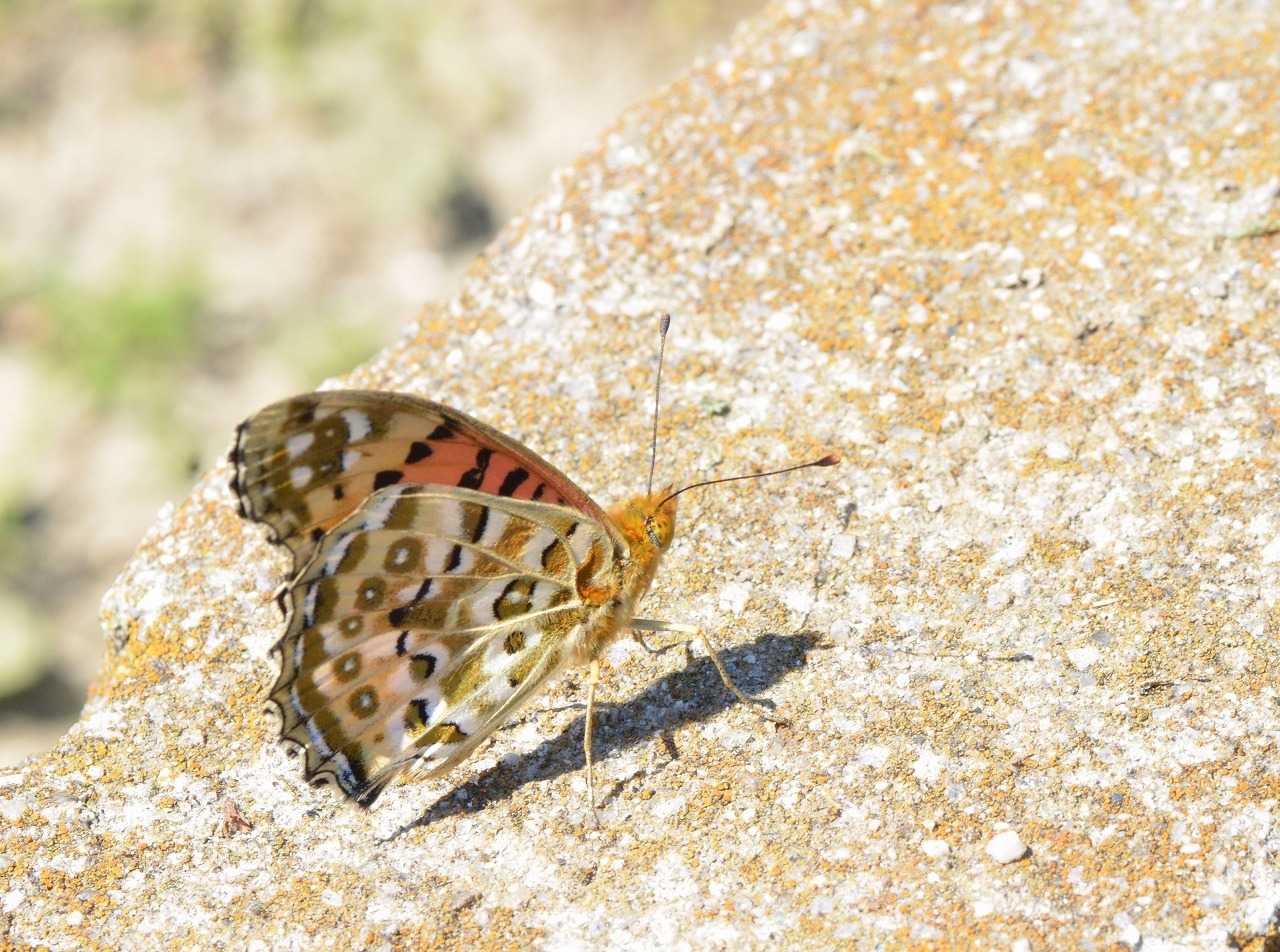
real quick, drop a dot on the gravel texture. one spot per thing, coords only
(1018, 261)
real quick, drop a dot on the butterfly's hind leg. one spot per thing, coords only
(645, 624)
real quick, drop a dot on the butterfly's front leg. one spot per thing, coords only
(592, 680)
(763, 706)
(645, 624)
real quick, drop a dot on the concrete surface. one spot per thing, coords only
(1017, 260)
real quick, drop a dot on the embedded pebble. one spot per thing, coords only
(13, 809)
(935, 849)
(1006, 847)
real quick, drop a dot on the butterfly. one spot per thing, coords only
(442, 574)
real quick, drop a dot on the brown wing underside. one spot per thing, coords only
(424, 621)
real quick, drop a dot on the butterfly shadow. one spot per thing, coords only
(690, 695)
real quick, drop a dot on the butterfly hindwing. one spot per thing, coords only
(304, 464)
(424, 619)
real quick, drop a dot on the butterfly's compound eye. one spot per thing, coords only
(651, 532)
(660, 522)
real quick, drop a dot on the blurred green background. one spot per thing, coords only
(208, 204)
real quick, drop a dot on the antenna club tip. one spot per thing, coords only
(664, 324)
(829, 460)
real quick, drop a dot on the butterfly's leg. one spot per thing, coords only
(639, 639)
(648, 624)
(592, 680)
(762, 707)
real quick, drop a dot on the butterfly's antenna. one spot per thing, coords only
(663, 327)
(829, 460)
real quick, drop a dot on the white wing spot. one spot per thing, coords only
(299, 444)
(299, 476)
(349, 460)
(314, 732)
(450, 517)
(377, 512)
(495, 527)
(336, 554)
(309, 609)
(358, 426)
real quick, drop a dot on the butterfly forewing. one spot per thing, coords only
(304, 464)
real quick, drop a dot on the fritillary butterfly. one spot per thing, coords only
(442, 574)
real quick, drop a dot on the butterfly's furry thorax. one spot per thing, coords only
(647, 524)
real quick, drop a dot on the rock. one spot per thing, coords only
(825, 206)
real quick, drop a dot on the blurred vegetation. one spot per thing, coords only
(129, 338)
(15, 513)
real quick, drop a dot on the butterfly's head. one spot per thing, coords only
(660, 519)
(648, 522)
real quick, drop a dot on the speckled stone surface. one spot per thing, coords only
(1019, 261)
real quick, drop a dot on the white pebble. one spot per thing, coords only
(1271, 551)
(13, 809)
(1006, 847)
(842, 546)
(935, 849)
(733, 598)
(998, 597)
(542, 293)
